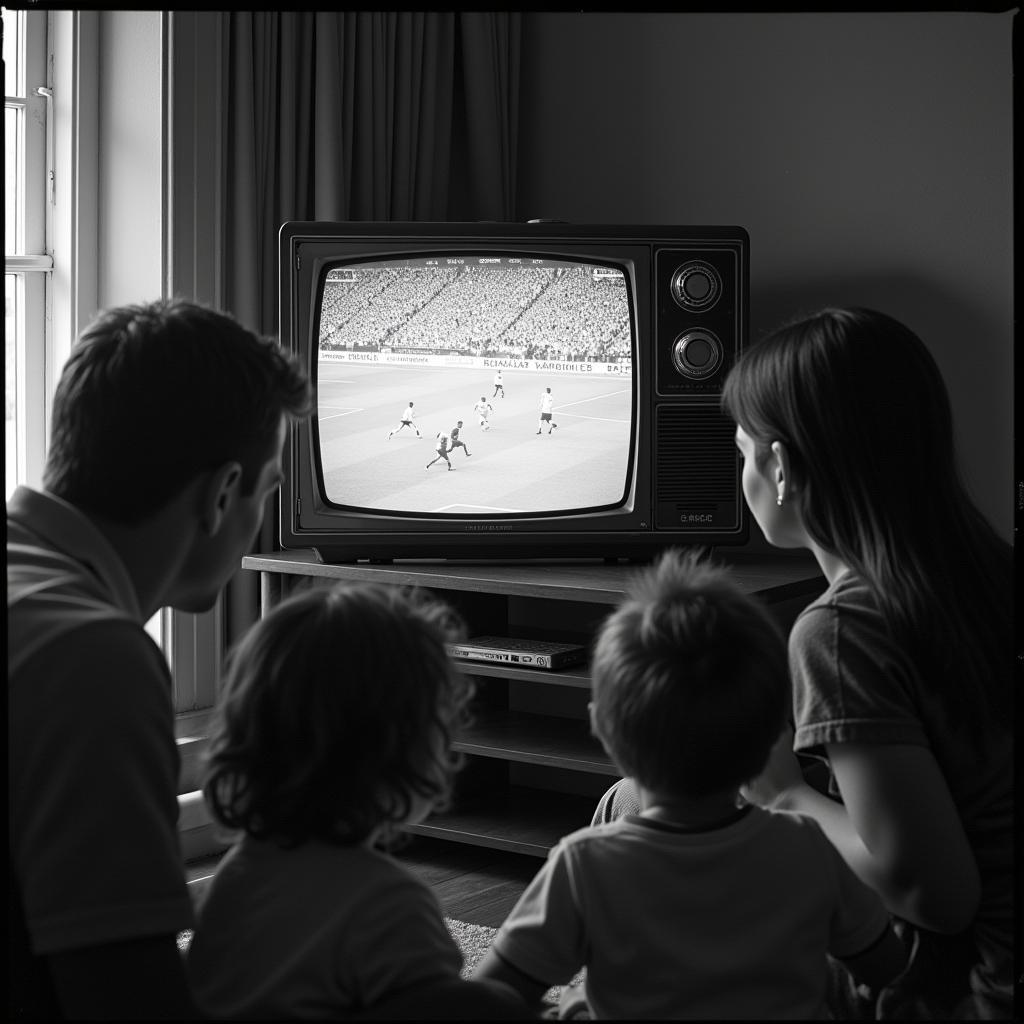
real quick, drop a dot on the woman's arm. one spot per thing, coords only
(898, 803)
(897, 826)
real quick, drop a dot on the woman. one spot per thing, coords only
(901, 669)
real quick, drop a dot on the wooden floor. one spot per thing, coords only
(473, 884)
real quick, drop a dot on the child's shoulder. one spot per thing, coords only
(795, 830)
(317, 859)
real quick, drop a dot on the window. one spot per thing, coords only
(27, 263)
(31, 359)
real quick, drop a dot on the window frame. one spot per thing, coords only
(30, 264)
(74, 45)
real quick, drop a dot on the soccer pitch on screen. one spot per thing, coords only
(583, 463)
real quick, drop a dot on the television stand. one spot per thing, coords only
(533, 772)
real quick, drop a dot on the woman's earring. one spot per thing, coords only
(778, 501)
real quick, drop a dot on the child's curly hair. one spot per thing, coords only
(338, 708)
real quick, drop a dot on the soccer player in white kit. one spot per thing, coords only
(483, 409)
(547, 403)
(406, 421)
(441, 449)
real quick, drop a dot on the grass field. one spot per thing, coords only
(583, 463)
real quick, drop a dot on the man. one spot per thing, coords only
(456, 439)
(406, 420)
(547, 404)
(442, 450)
(499, 385)
(483, 410)
(167, 429)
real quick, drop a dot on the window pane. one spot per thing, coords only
(10, 381)
(11, 177)
(13, 26)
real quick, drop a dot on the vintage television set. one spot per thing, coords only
(632, 328)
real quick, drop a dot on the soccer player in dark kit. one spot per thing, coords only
(456, 440)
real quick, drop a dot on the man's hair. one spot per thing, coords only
(690, 679)
(338, 708)
(153, 395)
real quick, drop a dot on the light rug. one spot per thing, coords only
(475, 939)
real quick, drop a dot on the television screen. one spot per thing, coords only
(475, 385)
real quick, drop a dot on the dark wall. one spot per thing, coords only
(868, 155)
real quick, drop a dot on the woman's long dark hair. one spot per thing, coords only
(861, 406)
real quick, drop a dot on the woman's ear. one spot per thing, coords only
(223, 485)
(779, 471)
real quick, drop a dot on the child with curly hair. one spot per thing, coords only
(334, 731)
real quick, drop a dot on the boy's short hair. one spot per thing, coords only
(327, 713)
(690, 679)
(153, 395)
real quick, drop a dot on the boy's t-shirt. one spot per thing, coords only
(313, 932)
(670, 924)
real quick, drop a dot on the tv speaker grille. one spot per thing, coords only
(696, 467)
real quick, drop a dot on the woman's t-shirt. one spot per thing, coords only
(852, 683)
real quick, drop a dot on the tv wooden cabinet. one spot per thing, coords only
(533, 772)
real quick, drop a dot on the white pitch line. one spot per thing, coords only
(593, 398)
(580, 416)
(334, 416)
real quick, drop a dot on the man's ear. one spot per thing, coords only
(223, 485)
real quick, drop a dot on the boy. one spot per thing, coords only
(700, 906)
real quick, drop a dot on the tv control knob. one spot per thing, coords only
(696, 285)
(697, 354)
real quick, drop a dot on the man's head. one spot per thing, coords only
(690, 680)
(161, 397)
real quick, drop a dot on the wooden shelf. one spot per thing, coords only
(536, 739)
(577, 676)
(518, 819)
(529, 751)
(775, 578)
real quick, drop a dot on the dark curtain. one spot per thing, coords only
(356, 115)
